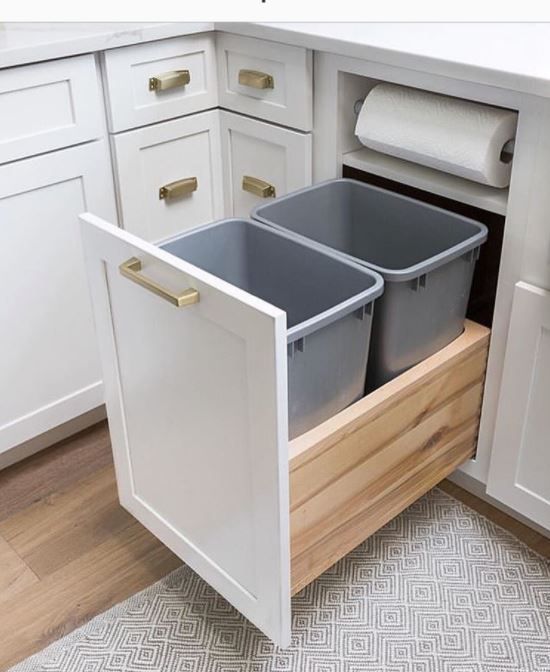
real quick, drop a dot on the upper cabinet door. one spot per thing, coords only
(170, 175)
(266, 79)
(261, 161)
(519, 475)
(147, 83)
(196, 397)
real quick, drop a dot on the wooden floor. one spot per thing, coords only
(68, 551)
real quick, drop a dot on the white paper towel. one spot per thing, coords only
(449, 134)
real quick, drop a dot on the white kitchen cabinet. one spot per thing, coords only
(152, 82)
(169, 175)
(46, 106)
(519, 473)
(49, 368)
(277, 159)
(196, 393)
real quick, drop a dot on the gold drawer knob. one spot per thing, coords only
(178, 188)
(131, 269)
(169, 80)
(258, 187)
(256, 80)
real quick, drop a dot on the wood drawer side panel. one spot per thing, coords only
(351, 475)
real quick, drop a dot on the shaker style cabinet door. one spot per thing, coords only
(519, 474)
(197, 403)
(261, 161)
(169, 176)
(49, 365)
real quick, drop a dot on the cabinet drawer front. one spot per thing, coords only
(160, 80)
(355, 472)
(266, 79)
(276, 159)
(155, 170)
(46, 106)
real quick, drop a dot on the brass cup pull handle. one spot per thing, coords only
(258, 187)
(178, 188)
(131, 269)
(169, 80)
(256, 80)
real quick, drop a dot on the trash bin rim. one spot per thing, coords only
(319, 320)
(389, 274)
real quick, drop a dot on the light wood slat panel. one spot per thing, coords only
(348, 473)
(308, 445)
(321, 556)
(57, 530)
(383, 428)
(15, 575)
(62, 601)
(324, 512)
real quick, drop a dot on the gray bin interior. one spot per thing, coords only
(328, 302)
(425, 254)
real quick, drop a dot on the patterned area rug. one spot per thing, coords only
(438, 589)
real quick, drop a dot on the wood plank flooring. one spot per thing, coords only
(68, 551)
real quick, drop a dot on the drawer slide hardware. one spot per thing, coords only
(131, 269)
(256, 80)
(169, 80)
(258, 187)
(178, 188)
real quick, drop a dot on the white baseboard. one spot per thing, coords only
(23, 450)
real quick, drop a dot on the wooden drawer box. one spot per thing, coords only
(264, 79)
(46, 106)
(133, 72)
(355, 472)
(197, 403)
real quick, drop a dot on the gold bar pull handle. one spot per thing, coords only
(178, 188)
(256, 80)
(258, 187)
(131, 269)
(169, 80)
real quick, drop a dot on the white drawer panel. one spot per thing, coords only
(149, 158)
(45, 106)
(251, 148)
(128, 71)
(288, 98)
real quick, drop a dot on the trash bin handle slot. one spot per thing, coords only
(131, 269)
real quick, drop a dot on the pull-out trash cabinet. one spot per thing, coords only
(195, 376)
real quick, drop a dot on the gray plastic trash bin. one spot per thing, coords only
(328, 302)
(425, 254)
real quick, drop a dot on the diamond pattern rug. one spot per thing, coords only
(438, 589)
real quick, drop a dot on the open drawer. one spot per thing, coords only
(195, 374)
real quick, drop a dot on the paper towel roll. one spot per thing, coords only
(449, 134)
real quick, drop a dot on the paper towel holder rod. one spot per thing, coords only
(506, 153)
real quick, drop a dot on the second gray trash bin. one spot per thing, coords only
(328, 303)
(425, 254)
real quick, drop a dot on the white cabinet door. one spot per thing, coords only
(183, 153)
(196, 397)
(49, 367)
(519, 474)
(277, 157)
